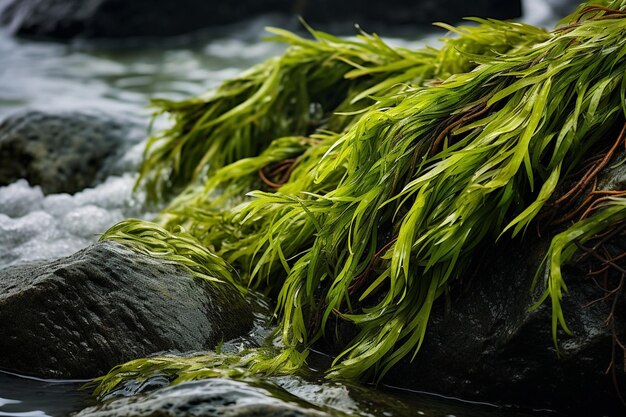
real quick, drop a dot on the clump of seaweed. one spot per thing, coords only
(314, 84)
(371, 213)
(176, 246)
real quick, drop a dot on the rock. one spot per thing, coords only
(213, 397)
(67, 19)
(79, 316)
(61, 152)
(405, 12)
(486, 345)
(277, 397)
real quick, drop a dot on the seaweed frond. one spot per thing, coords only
(369, 210)
(176, 247)
(562, 249)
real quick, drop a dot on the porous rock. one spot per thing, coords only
(79, 316)
(488, 344)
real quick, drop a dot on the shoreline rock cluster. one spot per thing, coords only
(78, 316)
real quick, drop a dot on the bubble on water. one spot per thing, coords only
(114, 193)
(42, 249)
(19, 199)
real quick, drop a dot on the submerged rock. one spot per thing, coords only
(66, 19)
(213, 397)
(79, 316)
(60, 152)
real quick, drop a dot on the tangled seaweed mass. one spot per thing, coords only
(350, 180)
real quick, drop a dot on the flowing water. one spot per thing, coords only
(120, 81)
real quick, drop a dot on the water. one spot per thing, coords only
(120, 82)
(29, 397)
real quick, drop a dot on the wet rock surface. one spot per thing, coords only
(79, 316)
(406, 12)
(486, 345)
(487, 342)
(214, 397)
(281, 397)
(61, 152)
(66, 19)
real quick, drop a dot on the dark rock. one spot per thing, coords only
(486, 345)
(61, 152)
(280, 396)
(406, 12)
(79, 316)
(489, 344)
(485, 342)
(67, 19)
(213, 397)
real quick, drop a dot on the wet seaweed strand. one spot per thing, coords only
(378, 217)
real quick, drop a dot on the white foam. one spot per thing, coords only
(58, 205)
(37, 227)
(88, 221)
(17, 231)
(18, 199)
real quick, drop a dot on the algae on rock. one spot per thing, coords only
(353, 180)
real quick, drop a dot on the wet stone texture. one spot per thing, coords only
(214, 397)
(79, 316)
(61, 152)
(486, 345)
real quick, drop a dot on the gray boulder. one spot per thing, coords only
(61, 152)
(67, 19)
(79, 316)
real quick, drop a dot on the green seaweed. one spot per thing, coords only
(418, 159)
(177, 247)
(562, 249)
(313, 84)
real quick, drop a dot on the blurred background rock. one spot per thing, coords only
(66, 19)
